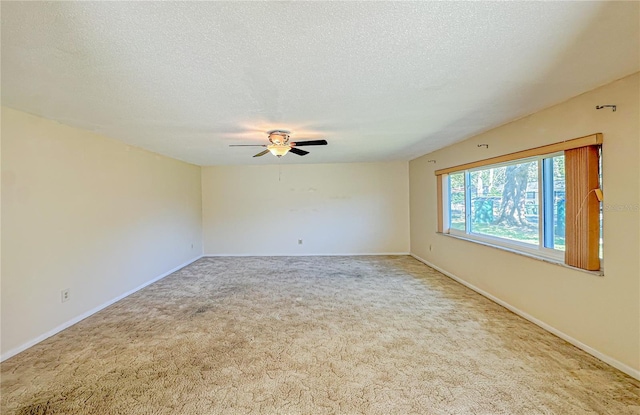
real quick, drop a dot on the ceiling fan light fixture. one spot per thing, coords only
(278, 150)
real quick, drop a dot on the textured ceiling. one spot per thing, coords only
(378, 80)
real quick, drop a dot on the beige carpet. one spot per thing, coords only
(310, 335)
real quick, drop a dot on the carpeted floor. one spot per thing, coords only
(310, 335)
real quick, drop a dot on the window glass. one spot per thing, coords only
(457, 210)
(559, 217)
(504, 202)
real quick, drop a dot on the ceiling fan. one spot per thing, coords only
(280, 144)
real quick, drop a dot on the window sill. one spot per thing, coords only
(599, 273)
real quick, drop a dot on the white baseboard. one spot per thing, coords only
(81, 317)
(634, 373)
(280, 255)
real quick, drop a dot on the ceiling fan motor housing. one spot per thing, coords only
(279, 137)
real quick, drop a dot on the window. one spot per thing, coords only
(505, 205)
(544, 201)
(458, 207)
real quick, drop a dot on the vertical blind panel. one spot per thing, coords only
(439, 200)
(582, 208)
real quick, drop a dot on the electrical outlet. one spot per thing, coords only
(299, 241)
(65, 295)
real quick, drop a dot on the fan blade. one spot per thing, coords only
(247, 145)
(298, 151)
(262, 153)
(310, 143)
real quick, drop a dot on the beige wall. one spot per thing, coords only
(87, 213)
(353, 208)
(601, 312)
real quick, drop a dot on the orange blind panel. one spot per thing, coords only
(582, 208)
(439, 200)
